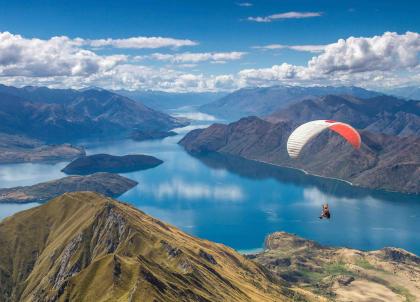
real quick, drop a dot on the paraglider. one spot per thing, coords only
(304, 133)
(325, 212)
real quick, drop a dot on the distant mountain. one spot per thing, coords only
(384, 162)
(41, 94)
(164, 101)
(265, 101)
(86, 247)
(408, 92)
(70, 114)
(384, 114)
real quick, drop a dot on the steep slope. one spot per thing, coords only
(263, 101)
(384, 114)
(109, 184)
(81, 114)
(342, 274)
(85, 247)
(383, 162)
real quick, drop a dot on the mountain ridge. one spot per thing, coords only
(262, 101)
(79, 114)
(83, 246)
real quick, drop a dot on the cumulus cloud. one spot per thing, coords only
(348, 60)
(288, 15)
(140, 42)
(307, 48)
(389, 51)
(58, 56)
(189, 57)
(385, 60)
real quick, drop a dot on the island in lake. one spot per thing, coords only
(110, 163)
(107, 184)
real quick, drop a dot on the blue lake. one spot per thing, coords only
(238, 202)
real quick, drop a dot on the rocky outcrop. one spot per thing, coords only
(85, 247)
(18, 149)
(384, 162)
(111, 163)
(342, 274)
(108, 184)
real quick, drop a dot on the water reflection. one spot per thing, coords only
(257, 170)
(179, 188)
(13, 175)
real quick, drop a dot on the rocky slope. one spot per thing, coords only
(18, 149)
(263, 101)
(71, 114)
(383, 114)
(383, 162)
(85, 247)
(341, 274)
(108, 184)
(111, 163)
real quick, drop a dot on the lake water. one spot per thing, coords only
(238, 202)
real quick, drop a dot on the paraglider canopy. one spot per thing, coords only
(304, 133)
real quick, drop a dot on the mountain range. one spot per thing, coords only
(262, 101)
(381, 114)
(386, 161)
(65, 114)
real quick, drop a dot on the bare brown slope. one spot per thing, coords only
(85, 247)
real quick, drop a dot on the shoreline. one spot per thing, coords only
(328, 177)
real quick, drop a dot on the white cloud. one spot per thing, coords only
(140, 42)
(58, 56)
(189, 57)
(288, 15)
(307, 48)
(389, 51)
(244, 4)
(348, 61)
(386, 60)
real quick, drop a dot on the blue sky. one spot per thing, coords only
(227, 37)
